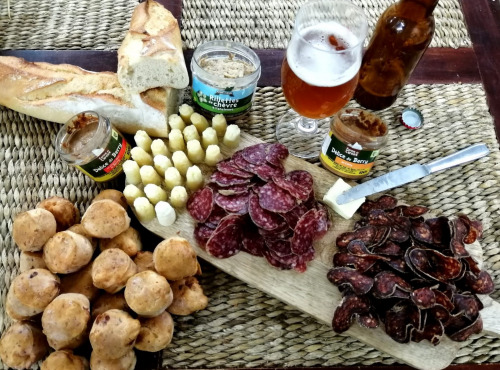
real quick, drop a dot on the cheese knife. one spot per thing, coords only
(411, 173)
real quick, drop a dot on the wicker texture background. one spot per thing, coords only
(243, 327)
(101, 25)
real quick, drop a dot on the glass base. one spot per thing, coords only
(302, 136)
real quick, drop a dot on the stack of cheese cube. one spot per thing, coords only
(163, 171)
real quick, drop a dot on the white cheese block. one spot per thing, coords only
(345, 210)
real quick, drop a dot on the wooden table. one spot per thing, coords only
(479, 64)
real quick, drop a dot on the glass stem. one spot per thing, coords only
(307, 126)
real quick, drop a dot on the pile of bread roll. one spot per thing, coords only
(91, 280)
(163, 166)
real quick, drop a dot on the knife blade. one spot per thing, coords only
(412, 173)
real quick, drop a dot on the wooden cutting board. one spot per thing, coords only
(310, 291)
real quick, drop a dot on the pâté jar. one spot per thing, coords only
(89, 142)
(225, 76)
(354, 141)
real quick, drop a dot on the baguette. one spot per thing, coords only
(151, 53)
(57, 92)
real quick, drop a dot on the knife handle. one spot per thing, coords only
(466, 155)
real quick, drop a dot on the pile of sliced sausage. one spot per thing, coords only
(412, 274)
(251, 204)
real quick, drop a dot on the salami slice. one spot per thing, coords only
(231, 220)
(255, 154)
(252, 242)
(237, 204)
(275, 199)
(242, 163)
(303, 259)
(304, 231)
(280, 247)
(293, 216)
(201, 204)
(262, 218)
(230, 168)
(298, 183)
(202, 233)
(234, 190)
(282, 262)
(276, 153)
(226, 180)
(225, 242)
(266, 171)
(276, 234)
(217, 214)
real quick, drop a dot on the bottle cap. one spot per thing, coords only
(411, 118)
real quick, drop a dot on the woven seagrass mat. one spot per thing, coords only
(101, 25)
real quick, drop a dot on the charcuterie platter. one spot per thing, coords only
(310, 291)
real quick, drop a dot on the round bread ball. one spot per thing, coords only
(126, 362)
(144, 261)
(67, 252)
(188, 297)
(30, 293)
(65, 321)
(64, 360)
(112, 194)
(22, 345)
(32, 229)
(174, 258)
(79, 229)
(31, 260)
(107, 301)
(105, 219)
(148, 294)
(156, 333)
(65, 212)
(80, 282)
(111, 270)
(113, 334)
(128, 241)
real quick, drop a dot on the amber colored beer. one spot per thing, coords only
(314, 101)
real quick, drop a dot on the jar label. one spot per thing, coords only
(226, 101)
(347, 159)
(108, 161)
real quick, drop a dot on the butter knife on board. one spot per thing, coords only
(411, 173)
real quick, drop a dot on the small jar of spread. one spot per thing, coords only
(354, 141)
(225, 76)
(89, 142)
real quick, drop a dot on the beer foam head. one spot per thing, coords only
(315, 59)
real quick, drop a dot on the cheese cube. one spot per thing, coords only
(345, 210)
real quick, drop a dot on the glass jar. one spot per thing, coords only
(354, 141)
(225, 76)
(89, 142)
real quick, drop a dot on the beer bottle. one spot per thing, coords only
(403, 33)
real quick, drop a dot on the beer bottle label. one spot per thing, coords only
(348, 159)
(228, 101)
(108, 161)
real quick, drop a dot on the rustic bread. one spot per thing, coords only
(151, 54)
(58, 92)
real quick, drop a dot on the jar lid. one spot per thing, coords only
(411, 118)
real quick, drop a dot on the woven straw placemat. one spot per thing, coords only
(101, 25)
(243, 327)
(265, 24)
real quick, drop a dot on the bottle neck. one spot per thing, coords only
(429, 5)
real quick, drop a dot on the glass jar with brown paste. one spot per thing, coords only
(354, 141)
(89, 142)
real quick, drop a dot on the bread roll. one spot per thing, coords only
(144, 261)
(188, 297)
(67, 252)
(65, 321)
(79, 229)
(65, 212)
(148, 294)
(30, 293)
(64, 360)
(111, 270)
(126, 362)
(22, 345)
(108, 301)
(58, 92)
(105, 219)
(80, 282)
(32, 229)
(112, 194)
(151, 53)
(128, 241)
(174, 258)
(113, 334)
(156, 333)
(31, 260)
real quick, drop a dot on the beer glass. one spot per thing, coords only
(320, 70)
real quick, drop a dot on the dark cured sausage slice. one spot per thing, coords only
(225, 242)
(262, 218)
(276, 153)
(237, 204)
(226, 180)
(230, 168)
(201, 204)
(304, 231)
(298, 183)
(275, 199)
(252, 242)
(255, 154)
